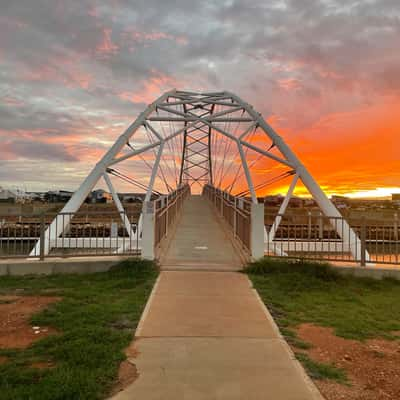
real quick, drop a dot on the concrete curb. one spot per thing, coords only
(376, 272)
(78, 265)
(147, 308)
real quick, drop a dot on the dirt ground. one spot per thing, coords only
(15, 313)
(373, 366)
(127, 372)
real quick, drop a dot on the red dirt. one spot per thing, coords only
(127, 372)
(15, 313)
(43, 365)
(373, 367)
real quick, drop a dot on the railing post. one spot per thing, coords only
(363, 237)
(148, 227)
(42, 236)
(257, 230)
(166, 217)
(234, 218)
(396, 236)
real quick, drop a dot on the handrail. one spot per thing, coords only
(238, 218)
(166, 209)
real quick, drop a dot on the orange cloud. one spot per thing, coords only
(350, 152)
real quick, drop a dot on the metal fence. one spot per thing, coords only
(236, 211)
(166, 209)
(84, 234)
(315, 237)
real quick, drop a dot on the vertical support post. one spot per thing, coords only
(257, 230)
(166, 215)
(363, 238)
(309, 225)
(321, 226)
(42, 242)
(247, 173)
(234, 217)
(396, 236)
(148, 228)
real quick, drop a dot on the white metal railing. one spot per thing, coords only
(319, 237)
(85, 233)
(166, 209)
(236, 211)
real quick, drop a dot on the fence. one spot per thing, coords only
(236, 211)
(88, 233)
(166, 209)
(315, 237)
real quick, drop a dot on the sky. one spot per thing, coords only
(324, 73)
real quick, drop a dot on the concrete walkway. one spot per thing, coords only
(199, 240)
(205, 336)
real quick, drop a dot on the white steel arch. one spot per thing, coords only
(209, 133)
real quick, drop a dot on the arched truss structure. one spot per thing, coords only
(201, 138)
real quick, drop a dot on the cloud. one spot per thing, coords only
(73, 74)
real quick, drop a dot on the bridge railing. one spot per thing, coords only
(236, 211)
(86, 233)
(316, 237)
(166, 210)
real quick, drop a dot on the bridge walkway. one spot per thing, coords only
(206, 335)
(199, 240)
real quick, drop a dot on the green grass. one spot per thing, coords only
(298, 292)
(96, 318)
(322, 371)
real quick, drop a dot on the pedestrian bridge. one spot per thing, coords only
(204, 162)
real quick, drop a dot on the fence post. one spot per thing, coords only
(148, 231)
(166, 216)
(396, 236)
(42, 231)
(234, 217)
(257, 230)
(363, 237)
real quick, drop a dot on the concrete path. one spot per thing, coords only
(205, 336)
(199, 240)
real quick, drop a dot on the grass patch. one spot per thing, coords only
(322, 371)
(298, 292)
(96, 319)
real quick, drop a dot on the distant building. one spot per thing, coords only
(296, 202)
(273, 200)
(131, 197)
(101, 196)
(310, 202)
(396, 198)
(341, 202)
(58, 196)
(7, 196)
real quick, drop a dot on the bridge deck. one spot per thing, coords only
(199, 240)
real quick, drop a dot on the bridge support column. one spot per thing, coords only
(148, 231)
(257, 231)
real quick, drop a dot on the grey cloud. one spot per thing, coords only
(342, 52)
